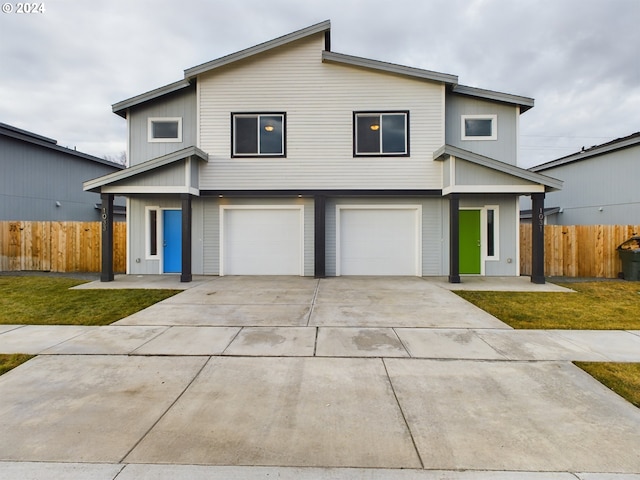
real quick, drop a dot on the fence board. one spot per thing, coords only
(578, 250)
(58, 246)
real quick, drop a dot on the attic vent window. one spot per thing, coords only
(479, 127)
(165, 129)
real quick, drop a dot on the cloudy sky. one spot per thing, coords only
(62, 69)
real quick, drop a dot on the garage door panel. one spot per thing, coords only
(379, 241)
(262, 242)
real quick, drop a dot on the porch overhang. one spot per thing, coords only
(468, 172)
(176, 173)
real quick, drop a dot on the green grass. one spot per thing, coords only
(594, 306)
(8, 362)
(41, 300)
(622, 378)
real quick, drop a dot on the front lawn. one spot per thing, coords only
(622, 378)
(8, 362)
(42, 300)
(595, 306)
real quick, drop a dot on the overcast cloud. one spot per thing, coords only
(61, 70)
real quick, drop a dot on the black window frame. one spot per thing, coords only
(358, 113)
(257, 115)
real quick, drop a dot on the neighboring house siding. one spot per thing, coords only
(505, 148)
(180, 104)
(609, 182)
(319, 100)
(34, 178)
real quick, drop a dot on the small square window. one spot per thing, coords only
(257, 135)
(165, 129)
(479, 127)
(381, 134)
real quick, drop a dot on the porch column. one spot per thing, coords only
(186, 276)
(537, 238)
(319, 251)
(106, 273)
(454, 238)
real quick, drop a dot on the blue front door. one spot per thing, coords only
(172, 241)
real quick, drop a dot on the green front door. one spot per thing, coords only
(470, 242)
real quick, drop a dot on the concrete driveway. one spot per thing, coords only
(253, 377)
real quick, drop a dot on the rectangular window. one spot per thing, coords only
(152, 232)
(492, 233)
(381, 133)
(479, 127)
(257, 135)
(164, 129)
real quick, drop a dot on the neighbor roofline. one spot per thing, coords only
(46, 142)
(262, 47)
(618, 144)
(447, 151)
(340, 58)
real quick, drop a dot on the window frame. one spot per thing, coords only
(494, 235)
(494, 127)
(257, 115)
(152, 238)
(152, 139)
(363, 113)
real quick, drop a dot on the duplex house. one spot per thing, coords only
(600, 185)
(290, 159)
(42, 181)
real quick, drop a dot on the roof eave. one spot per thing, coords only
(120, 108)
(340, 58)
(262, 47)
(525, 103)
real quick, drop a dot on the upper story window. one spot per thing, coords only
(381, 133)
(479, 127)
(258, 134)
(164, 129)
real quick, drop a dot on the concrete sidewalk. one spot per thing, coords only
(365, 378)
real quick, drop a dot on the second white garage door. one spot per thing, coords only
(261, 241)
(378, 240)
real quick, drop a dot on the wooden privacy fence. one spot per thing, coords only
(578, 250)
(58, 246)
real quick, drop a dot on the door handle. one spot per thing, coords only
(164, 244)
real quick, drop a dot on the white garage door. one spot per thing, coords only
(379, 241)
(261, 241)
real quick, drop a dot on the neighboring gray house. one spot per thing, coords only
(41, 180)
(290, 159)
(601, 185)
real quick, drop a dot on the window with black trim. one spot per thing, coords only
(258, 134)
(381, 133)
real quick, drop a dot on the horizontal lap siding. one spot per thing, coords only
(319, 100)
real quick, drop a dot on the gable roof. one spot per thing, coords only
(50, 143)
(446, 151)
(602, 149)
(191, 74)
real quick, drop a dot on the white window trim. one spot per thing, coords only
(494, 127)
(152, 139)
(258, 116)
(496, 232)
(147, 236)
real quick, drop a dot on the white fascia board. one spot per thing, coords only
(339, 58)
(525, 103)
(120, 108)
(126, 190)
(260, 48)
(490, 189)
